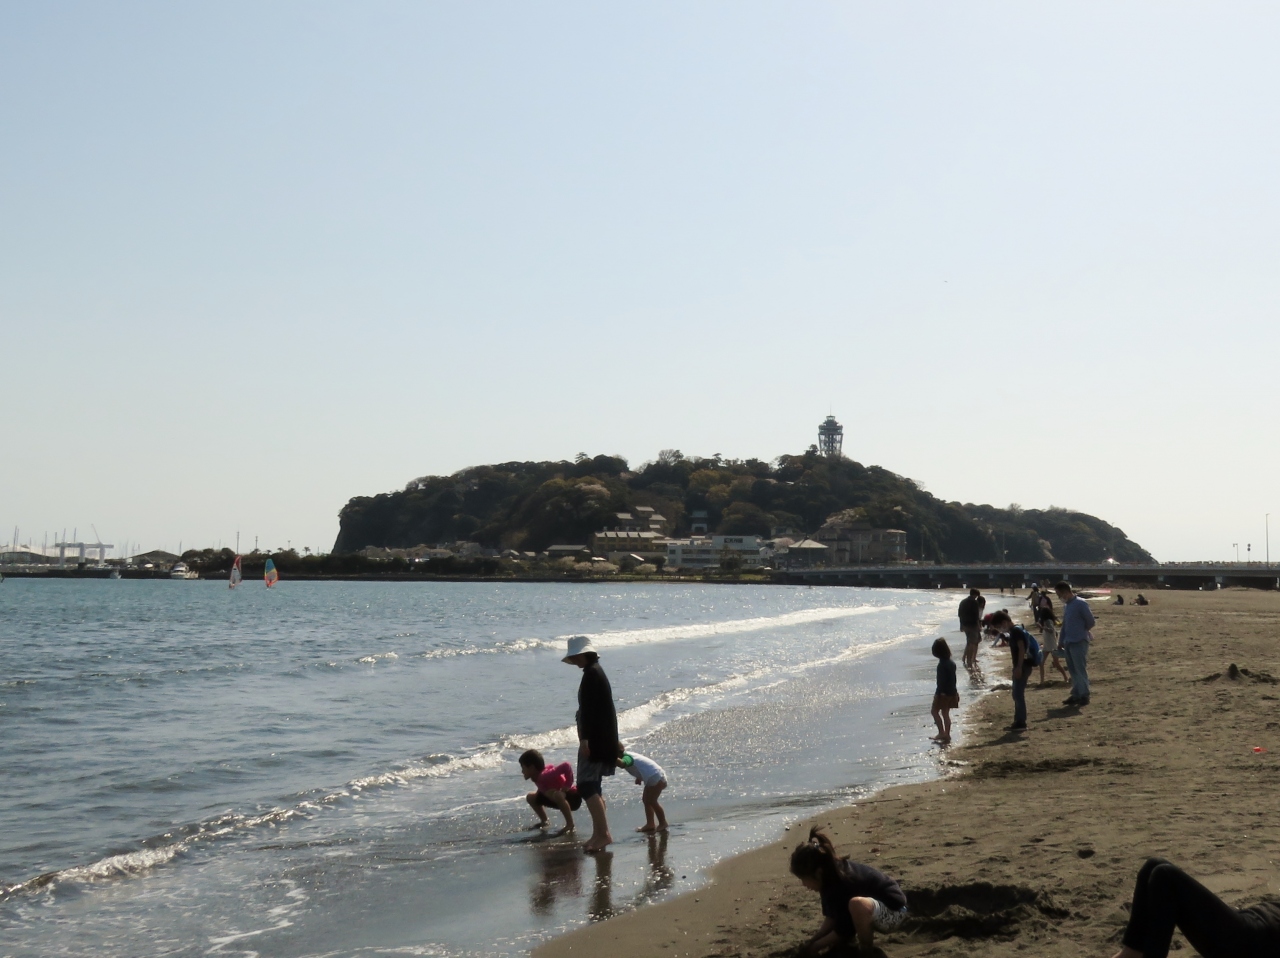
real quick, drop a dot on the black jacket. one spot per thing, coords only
(597, 718)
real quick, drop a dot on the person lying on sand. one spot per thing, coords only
(856, 899)
(1167, 897)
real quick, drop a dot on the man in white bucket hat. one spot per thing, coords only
(597, 737)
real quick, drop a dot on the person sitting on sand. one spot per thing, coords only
(1119, 599)
(1141, 600)
(856, 899)
(1166, 897)
(1023, 664)
(946, 696)
(555, 788)
(648, 773)
(597, 737)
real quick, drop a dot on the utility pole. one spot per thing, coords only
(1236, 546)
(1268, 540)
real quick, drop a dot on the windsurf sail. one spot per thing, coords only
(270, 575)
(236, 577)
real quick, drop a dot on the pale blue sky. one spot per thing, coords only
(256, 259)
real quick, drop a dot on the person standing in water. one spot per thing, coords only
(598, 745)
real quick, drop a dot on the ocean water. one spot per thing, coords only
(327, 769)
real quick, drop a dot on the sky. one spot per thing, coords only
(256, 259)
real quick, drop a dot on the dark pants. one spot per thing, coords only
(1167, 897)
(1020, 697)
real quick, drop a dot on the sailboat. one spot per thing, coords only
(270, 575)
(235, 578)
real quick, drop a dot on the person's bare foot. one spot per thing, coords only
(647, 828)
(595, 844)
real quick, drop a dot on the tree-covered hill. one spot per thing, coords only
(531, 505)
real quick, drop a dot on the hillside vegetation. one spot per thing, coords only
(531, 505)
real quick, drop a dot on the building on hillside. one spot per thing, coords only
(708, 552)
(852, 541)
(803, 554)
(699, 524)
(579, 552)
(614, 544)
(641, 519)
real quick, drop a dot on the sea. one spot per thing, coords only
(330, 768)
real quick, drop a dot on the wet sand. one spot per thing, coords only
(1032, 844)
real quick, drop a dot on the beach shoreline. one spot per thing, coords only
(1036, 838)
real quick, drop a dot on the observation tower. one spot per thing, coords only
(830, 438)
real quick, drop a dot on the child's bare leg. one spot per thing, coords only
(861, 910)
(654, 818)
(946, 726)
(937, 720)
(532, 799)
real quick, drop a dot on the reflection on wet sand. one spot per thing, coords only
(601, 904)
(559, 875)
(661, 877)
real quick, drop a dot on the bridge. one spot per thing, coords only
(1168, 575)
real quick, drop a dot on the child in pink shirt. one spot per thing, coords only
(555, 788)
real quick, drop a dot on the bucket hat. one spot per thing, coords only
(577, 645)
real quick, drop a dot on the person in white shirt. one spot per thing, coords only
(648, 773)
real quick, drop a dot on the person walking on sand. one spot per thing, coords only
(856, 899)
(1023, 655)
(970, 613)
(946, 696)
(1074, 638)
(1166, 898)
(1047, 619)
(648, 773)
(597, 737)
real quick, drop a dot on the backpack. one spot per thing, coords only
(1035, 655)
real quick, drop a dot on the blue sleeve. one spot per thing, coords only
(1088, 616)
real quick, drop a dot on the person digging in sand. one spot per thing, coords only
(857, 900)
(1167, 897)
(946, 697)
(597, 737)
(648, 773)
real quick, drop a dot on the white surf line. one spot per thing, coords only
(728, 627)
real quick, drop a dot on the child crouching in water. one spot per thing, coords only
(947, 696)
(856, 899)
(648, 773)
(555, 788)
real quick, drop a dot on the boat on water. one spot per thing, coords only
(115, 574)
(236, 577)
(270, 575)
(183, 571)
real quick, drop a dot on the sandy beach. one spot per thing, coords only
(1031, 843)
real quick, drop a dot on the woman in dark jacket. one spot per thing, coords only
(597, 737)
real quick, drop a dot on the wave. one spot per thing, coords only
(371, 659)
(610, 640)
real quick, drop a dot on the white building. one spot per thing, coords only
(706, 552)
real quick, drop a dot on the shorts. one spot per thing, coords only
(885, 919)
(972, 636)
(590, 776)
(571, 793)
(946, 701)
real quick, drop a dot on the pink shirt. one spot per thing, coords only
(555, 778)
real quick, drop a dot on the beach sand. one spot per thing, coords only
(1031, 846)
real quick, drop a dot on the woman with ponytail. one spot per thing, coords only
(856, 899)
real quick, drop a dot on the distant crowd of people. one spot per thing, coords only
(857, 899)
